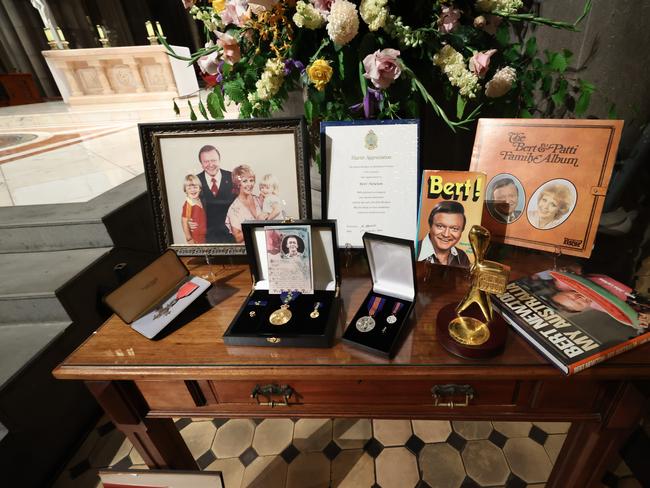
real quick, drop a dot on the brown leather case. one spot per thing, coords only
(149, 287)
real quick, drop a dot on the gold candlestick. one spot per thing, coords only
(102, 36)
(64, 43)
(50, 39)
(151, 34)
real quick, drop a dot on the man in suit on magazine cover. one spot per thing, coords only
(216, 196)
(446, 224)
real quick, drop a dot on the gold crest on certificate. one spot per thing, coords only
(289, 255)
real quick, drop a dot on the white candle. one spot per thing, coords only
(48, 34)
(60, 34)
(149, 27)
(100, 31)
(159, 29)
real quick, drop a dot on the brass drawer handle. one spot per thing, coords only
(450, 391)
(268, 391)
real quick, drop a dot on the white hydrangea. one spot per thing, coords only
(272, 78)
(501, 83)
(374, 13)
(505, 6)
(452, 63)
(307, 16)
(343, 22)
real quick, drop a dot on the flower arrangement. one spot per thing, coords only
(383, 59)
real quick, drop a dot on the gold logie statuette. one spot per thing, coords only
(488, 278)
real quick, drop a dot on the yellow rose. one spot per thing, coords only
(218, 5)
(320, 73)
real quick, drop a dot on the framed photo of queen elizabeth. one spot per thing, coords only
(205, 178)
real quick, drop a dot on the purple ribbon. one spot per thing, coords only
(370, 102)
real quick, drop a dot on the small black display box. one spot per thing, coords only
(383, 318)
(251, 325)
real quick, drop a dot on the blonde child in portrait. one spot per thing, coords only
(272, 204)
(193, 210)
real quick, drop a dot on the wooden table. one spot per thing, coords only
(141, 384)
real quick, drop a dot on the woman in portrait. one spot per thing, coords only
(246, 206)
(555, 200)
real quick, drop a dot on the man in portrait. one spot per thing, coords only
(217, 194)
(293, 246)
(504, 200)
(446, 224)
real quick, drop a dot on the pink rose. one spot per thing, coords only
(231, 51)
(448, 20)
(323, 5)
(236, 12)
(480, 62)
(382, 67)
(209, 64)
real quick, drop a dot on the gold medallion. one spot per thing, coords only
(281, 316)
(314, 314)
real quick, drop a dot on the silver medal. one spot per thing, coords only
(365, 324)
(391, 319)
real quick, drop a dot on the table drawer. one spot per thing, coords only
(360, 392)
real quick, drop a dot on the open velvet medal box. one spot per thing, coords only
(313, 317)
(383, 318)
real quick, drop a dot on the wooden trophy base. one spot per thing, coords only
(492, 347)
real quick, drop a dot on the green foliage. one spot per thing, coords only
(216, 104)
(546, 82)
(192, 113)
(202, 109)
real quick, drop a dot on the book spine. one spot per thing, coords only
(608, 353)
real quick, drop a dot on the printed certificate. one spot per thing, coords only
(288, 250)
(370, 178)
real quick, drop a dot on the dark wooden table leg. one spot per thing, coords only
(157, 440)
(590, 447)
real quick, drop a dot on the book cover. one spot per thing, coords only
(451, 202)
(575, 321)
(546, 180)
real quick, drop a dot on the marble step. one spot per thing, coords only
(30, 281)
(82, 225)
(51, 114)
(20, 344)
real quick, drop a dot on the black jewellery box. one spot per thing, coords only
(251, 325)
(383, 318)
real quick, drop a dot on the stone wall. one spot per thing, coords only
(619, 35)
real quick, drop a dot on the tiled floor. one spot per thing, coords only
(354, 453)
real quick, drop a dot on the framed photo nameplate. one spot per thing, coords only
(206, 178)
(546, 180)
(370, 178)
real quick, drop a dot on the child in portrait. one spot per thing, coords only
(272, 204)
(193, 210)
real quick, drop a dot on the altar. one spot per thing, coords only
(120, 74)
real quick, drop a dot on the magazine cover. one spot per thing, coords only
(546, 180)
(575, 321)
(451, 202)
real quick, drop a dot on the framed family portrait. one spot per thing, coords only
(206, 178)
